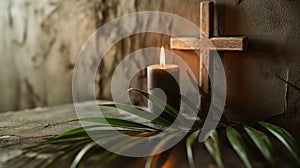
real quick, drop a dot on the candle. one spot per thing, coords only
(163, 76)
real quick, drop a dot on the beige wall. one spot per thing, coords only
(40, 41)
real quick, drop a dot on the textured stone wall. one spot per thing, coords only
(273, 29)
(40, 41)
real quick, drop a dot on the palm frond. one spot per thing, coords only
(263, 143)
(78, 144)
(189, 142)
(197, 86)
(213, 147)
(285, 137)
(140, 113)
(239, 145)
(285, 81)
(163, 106)
(114, 122)
(82, 152)
(197, 110)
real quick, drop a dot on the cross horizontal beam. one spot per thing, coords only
(219, 43)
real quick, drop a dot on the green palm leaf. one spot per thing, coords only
(63, 155)
(160, 104)
(81, 154)
(77, 132)
(74, 134)
(197, 86)
(123, 146)
(285, 137)
(97, 134)
(213, 147)
(290, 84)
(114, 122)
(120, 144)
(197, 110)
(263, 143)
(237, 142)
(141, 113)
(189, 142)
(119, 147)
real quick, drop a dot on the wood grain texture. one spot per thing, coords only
(206, 19)
(217, 43)
(230, 43)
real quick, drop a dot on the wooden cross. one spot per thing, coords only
(219, 43)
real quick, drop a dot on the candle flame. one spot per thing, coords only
(162, 57)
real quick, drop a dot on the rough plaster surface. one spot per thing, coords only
(273, 31)
(40, 41)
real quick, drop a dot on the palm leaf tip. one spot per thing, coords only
(163, 106)
(237, 142)
(263, 143)
(213, 147)
(189, 142)
(81, 154)
(285, 81)
(196, 85)
(114, 122)
(285, 138)
(140, 113)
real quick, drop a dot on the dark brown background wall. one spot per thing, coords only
(40, 41)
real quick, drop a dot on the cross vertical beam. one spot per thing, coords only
(219, 43)
(206, 31)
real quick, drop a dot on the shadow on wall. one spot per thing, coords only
(270, 26)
